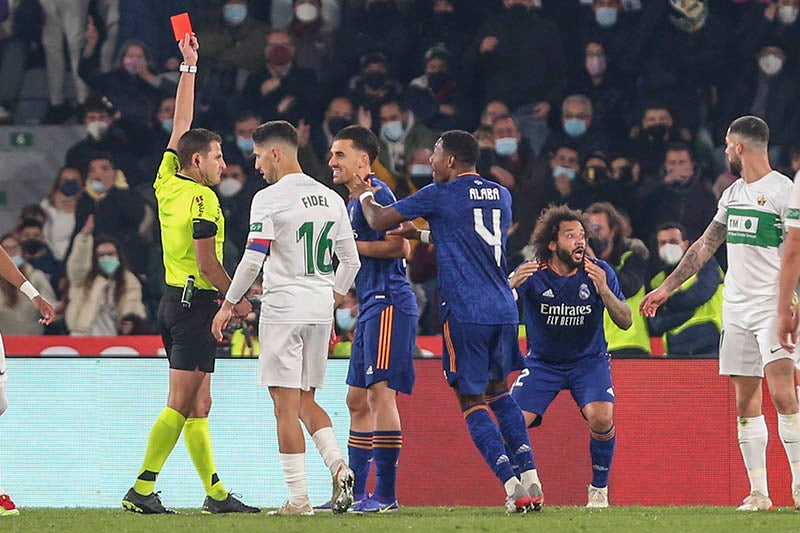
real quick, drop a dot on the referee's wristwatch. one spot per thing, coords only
(191, 69)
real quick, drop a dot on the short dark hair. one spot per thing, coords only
(461, 145)
(678, 146)
(362, 138)
(672, 225)
(94, 156)
(194, 141)
(548, 225)
(751, 128)
(393, 100)
(276, 130)
(616, 221)
(30, 222)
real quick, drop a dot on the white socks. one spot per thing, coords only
(529, 477)
(753, 444)
(294, 472)
(789, 431)
(328, 447)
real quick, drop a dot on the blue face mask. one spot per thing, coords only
(606, 16)
(108, 264)
(234, 13)
(245, 145)
(70, 188)
(392, 130)
(505, 146)
(345, 321)
(575, 127)
(167, 125)
(98, 187)
(18, 261)
(570, 173)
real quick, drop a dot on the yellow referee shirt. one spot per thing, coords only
(184, 206)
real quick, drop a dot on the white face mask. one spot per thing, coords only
(670, 253)
(97, 129)
(306, 12)
(229, 187)
(770, 64)
(787, 14)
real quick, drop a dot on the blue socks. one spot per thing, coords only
(386, 448)
(488, 440)
(601, 448)
(515, 433)
(359, 448)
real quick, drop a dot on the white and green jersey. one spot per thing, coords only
(793, 211)
(754, 215)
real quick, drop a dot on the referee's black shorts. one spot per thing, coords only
(187, 332)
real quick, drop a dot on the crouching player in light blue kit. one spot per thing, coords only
(564, 294)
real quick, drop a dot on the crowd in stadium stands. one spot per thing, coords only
(615, 107)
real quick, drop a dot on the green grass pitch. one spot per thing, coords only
(461, 519)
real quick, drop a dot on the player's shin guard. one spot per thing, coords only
(488, 440)
(789, 431)
(163, 436)
(601, 449)
(753, 436)
(387, 445)
(198, 442)
(359, 451)
(515, 433)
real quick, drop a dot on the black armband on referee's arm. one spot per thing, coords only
(203, 229)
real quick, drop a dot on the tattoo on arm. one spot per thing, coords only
(618, 310)
(697, 255)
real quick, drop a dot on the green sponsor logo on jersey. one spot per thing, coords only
(793, 213)
(753, 227)
(256, 226)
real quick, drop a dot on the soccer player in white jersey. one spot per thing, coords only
(296, 226)
(750, 216)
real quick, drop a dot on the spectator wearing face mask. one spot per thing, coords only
(18, 316)
(766, 89)
(578, 128)
(373, 86)
(776, 21)
(234, 38)
(619, 185)
(420, 170)
(235, 193)
(59, 207)
(649, 139)
(312, 36)
(565, 184)
(346, 318)
(116, 210)
(608, 23)
(104, 134)
(446, 24)
(282, 12)
(435, 97)
(102, 289)
(689, 322)
(339, 114)
(282, 89)
(492, 110)
(680, 193)
(239, 149)
(37, 253)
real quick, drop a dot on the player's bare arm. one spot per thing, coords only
(184, 97)
(522, 273)
(392, 247)
(790, 274)
(696, 256)
(378, 217)
(618, 310)
(12, 274)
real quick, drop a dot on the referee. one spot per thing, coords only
(192, 234)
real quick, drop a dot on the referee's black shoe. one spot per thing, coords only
(150, 504)
(229, 505)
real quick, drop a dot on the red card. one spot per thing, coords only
(181, 25)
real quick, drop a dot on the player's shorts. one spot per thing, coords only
(475, 354)
(3, 375)
(383, 350)
(293, 356)
(749, 341)
(187, 332)
(538, 384)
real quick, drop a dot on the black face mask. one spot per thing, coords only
(443, 18)
(599, 245)
(438, 80)
(32, 247)
(375, 80)
(655, 134)
(70, 188)
(625, 174)
(337, 124)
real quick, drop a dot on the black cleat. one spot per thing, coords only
(150, 504)
(229, 505)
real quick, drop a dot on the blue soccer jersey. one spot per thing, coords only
(469, 219)
(564, 314)
(380, 282)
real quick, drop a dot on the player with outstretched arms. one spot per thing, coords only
(750, 217)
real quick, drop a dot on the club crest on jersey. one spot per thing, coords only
(761, 200)
(583, 292)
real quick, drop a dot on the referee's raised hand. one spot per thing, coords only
(188, 47)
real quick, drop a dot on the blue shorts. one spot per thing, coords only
(383, 350)
(475, 354)
(539, 383)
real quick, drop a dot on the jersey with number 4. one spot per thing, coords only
(754, 215)
(302, 219)
(469, 219)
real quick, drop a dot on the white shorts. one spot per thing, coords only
(293, 355)
(749, 341)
